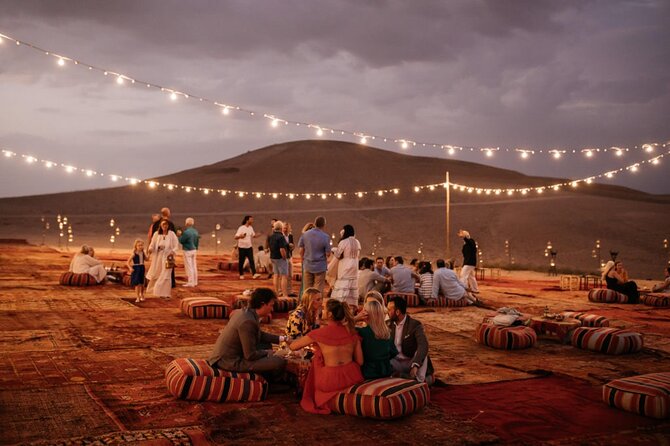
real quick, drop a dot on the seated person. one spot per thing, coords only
(446, 283)
(83, 262)
(402, 278)
(616, 278)
(380, 267)
(306, 317)
(239, 347)
(665, 286)
(369, 279)
(425, 281)
(378, 346)
(263, 263)
(412, 360)
(337, 358)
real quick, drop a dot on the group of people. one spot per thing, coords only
(378, 342)
(616, 277)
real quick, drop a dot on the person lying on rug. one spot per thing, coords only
(616, 278)
(243, 347)
(337, 358)
(412, 360)
(665, 286)
(83, 262)
(307, 316)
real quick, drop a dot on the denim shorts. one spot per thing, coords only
(280, 267)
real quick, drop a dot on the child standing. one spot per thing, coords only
(136, 268)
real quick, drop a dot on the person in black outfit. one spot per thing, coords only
(469, 261)
(616, 278)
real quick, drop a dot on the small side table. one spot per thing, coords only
(553, 328)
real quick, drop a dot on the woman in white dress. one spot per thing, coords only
(347, 252)
(84, 263)
(163, 243)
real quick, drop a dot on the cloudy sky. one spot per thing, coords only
(510, 74)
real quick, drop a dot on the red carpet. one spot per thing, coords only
(536, 409)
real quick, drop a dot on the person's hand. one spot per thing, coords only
(361, 316)
(413, 371)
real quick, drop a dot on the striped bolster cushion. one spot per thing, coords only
(657, 299)
(195, 380)
(297, 276)
(205, 308)
(647, 395)
(285, 304)
(505, 338)
(411, 298)
(612, 341)
(607, 296)
(383, 398)
(264, 320)
(442, 301)
(587, 320)
(73, 279)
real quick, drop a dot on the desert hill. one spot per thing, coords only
(631, 222)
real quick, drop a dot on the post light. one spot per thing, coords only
(552, 263)
(595, 253)
(45, 228)
(215, 236)
(665, 247)
(116, 231)
(420, 251)
(508, 252)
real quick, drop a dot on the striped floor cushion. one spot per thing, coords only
(383, 398)
(587, 319)
(264, 320)
(412, 299)
(505, 338)
(72, 279)
(442, 301)
(285, 304)
(607, 296)
(195, 380)
(205, 308)
(656, 299)
(611, 341)
(647, 395)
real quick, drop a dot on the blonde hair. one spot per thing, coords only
(306, 302)
(135, 245)
(308, 226)
(376, 295)
(376, 318)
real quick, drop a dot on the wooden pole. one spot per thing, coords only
(447, 190)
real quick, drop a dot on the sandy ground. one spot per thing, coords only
(58, 339)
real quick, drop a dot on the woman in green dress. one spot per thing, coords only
(378, 347)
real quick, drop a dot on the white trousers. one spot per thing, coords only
(191, 267)
(468, 277)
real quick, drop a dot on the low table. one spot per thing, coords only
(116, 275)
(553, 328)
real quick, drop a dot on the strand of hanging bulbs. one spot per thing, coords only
(153, 184)
(363, 137)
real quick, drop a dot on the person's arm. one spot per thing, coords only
(300, 343)
(247, 333)
(294, 325)
(421, 347)
(282, 251)
(436, 286)
(358, 353)
(269, 337)
(129, 263)
(416, 277)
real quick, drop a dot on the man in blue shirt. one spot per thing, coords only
(189, 239)
(446, 283)
(314, 249)
(402, 277)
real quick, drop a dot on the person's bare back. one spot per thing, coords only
(336, 355)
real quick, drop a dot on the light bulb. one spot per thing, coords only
(557, 155)
(206, 191)
(524, 155)
(188, 189)
(89, 173)
(323, 196)
(339, 196)
(240, 194)
(416, 189)
(489, 153)
(319, 132)
(655, 161)
(380, 193)
(275, 123)
(404, 145)
(589, 153)
(274, 195)
(364, 140)
(308, 196)
(119, 80)
(451, 151)
(225, 111)
(61, 61)
(634, 168)
(619, 152)
(173, 96)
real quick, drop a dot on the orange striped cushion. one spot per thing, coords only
(195, 380)
(505, 338)
(647, 395)
(607, 296)
(285, 304)
(83, 279)
(383, 398)
(205, 308)
(657, 299)
(411, 298)
(587, 320)
(442, 301)
(612, 341)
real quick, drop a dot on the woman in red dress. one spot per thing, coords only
(337, 360)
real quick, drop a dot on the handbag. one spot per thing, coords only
(169, 262)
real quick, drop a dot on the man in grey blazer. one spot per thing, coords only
(411, 342)
(238, 347)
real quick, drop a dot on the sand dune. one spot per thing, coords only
(628, 221)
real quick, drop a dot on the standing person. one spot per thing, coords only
(347, 251)
(136, 267)
(165, 215)
(164, 244)
(189, 240)
(469, 261)
(266, 246)
(244, 236)
(288, 234)
(314, 248)
(239, 347)
(278, 252)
